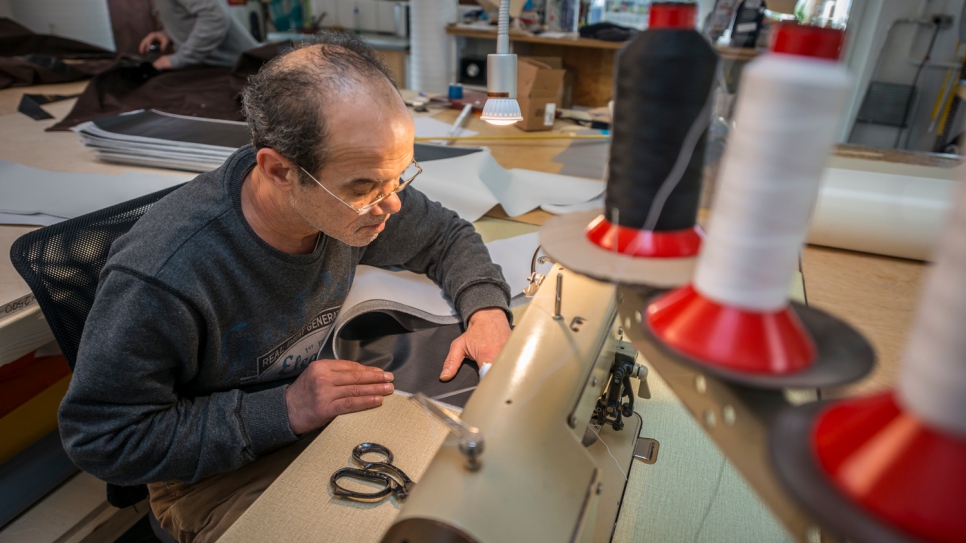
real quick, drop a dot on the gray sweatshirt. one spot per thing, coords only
(203, 32)
(198, 326)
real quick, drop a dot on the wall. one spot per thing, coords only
(5, 9)
(894, 60)
(84, 20)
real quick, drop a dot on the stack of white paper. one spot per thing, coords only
(163, 140)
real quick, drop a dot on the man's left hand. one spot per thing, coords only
(488, 330)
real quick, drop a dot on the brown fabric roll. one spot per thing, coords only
(200, 91)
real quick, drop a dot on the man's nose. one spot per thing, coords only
(390, 204)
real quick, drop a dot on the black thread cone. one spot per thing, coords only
(663, 81)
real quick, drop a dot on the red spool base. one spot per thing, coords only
(901, 470)
(672, 15)
(773, 343)
(644, 243)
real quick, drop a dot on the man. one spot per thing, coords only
(201, 32)
(221, 294)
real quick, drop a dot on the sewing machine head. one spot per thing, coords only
(556, 415)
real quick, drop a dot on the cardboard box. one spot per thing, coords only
(538, 92)
(565, 97)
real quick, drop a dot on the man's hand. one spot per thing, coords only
(160, 36)
(329, 388)
(163, 63)
(488, 330)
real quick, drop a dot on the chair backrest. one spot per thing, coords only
(61, 264)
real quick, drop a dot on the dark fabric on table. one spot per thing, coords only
(28, 59)
(131, 21)
(411, 348)
(199, 91)
(30, 104)
(607, 32)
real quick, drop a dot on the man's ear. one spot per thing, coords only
(278, 170)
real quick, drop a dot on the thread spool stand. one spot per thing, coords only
(791, 454)
(736, 416)
(689, 336)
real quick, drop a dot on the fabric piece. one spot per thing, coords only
(428, 127)
(607, 32)
(473, 184)
(412, 349)
(402, 292)
(30, 104)
(131, 21)
(28, 191)
(26, 377)
(202, 91)
(217, 322)
(584, 158)
(28, 59)
(300, 503)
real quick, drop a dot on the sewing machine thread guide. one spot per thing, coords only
(558, 297)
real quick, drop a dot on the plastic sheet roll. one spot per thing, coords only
(881, 213)
(933, 382)
(786, 117)
(432, 51)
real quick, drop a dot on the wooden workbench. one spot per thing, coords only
(875, 294)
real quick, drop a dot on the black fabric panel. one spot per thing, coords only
(151, 124)
(427, 153)
(30, 104)
(411, 348)
(664, 78)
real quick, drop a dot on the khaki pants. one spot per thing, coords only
(201, 512)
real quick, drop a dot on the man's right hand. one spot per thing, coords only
(329, 388)
(159, 36)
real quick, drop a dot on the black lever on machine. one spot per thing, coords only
(609, 408)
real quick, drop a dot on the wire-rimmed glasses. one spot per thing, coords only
(408, 176)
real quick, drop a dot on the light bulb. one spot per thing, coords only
(501, 111)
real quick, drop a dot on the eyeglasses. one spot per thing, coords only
(411, 173)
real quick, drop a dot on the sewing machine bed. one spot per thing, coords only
(302, 491)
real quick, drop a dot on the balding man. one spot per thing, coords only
(197, 356)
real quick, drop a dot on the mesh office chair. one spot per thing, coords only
(61, 265)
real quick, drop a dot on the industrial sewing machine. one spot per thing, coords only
(547, 440)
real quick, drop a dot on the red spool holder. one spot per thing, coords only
(808, 41)
(673, 15)
(644, 243)
(895, 466)
(770, 343)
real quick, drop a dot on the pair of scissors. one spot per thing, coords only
(392, 479)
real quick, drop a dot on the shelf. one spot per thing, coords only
(468, 31)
